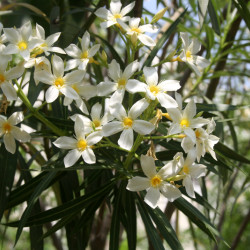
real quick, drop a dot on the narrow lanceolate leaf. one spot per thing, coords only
(202, 9)
(241, 5)
(70, 207)
(214, 18)
(229, 153)
(197, 217)
(8, 164)
(116, 219)
(38, 190)
(165, 228)
(150, 228)
(162, 40)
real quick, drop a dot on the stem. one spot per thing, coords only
(161, 137)
(35, 112)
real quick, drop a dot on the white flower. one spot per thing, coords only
(6, 78)
(191, 172)
(155, 90)
(59, 83)
(155, 182)
(21, 41)
(188, 54)
(97, 120)
(3, 38)
(81, 56)
(120, 81)
(184, 121)
(136, 31)
(80, 146)
(116, 12)
(46, 43)
(11, 132)
(127, 122)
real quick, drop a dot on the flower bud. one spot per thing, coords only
(158, 15)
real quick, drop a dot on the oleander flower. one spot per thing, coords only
(127, 123)
(136, 31)
(185, 121)
(80, 146)
(155, 90)
(120, 81)
(11, 132)
(191, 172)
(59, 82)
(155, 183)
(116, 12)
(21, 41)
(6, 77)
(197, 63)
(83, 56)
(46, 44)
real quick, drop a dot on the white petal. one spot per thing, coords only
(195, 46)
(69, 92)
(170, 191)
(143, 127)
(187, 144)
(115, 7)
(79, 127)
(20, 134)
(72, 63)
(151, 75)
(74, 77)
(166, 101)
(93, 50)
(26, 30)
(96, 111)
(9, 143)
(9, 91)
(185, 39)
(73, 51)
(114, 70)
(56, 50)
(89, 156)
(50, 40)
(25, 54)
(126, 139)
(138, 183)
(14, 72)
(197, 170)
(12, 35)
(102, 13)
(148, 166)
(134, 86)
(105, 88)
(169, 170)
(58, 66)
(72, 157)
(94, 138)
(65, 142)
(175, 115)
(202, 62)
(130, 69)
(198, 122)
(146, 40)
(45, 77)
(16, 118)
(190, 133)
(51, 94)
(11, 49)
(118, 111)
(152, 197)
(187, 182)
(169, 85)
(190, 110)
(112, 128)
(85, 41)
(138, 108)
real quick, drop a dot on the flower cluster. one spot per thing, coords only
(131, 94)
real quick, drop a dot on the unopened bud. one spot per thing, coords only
(104, 56)
(134, 39)
(158, 15)
(142, 21)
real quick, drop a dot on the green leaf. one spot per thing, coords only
(8, 163)
(229, 153)
(165, 228)
(163, 39)
(150, 228)
(196, 217)
(35, 195)
(214, 18)
(242, 7)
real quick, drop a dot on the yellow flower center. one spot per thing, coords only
(127, 122)
(2, 78)
(84, 55)
(59, 82)
(22, 45)
(6, 127)
(156, 181)
(137, 30)
(184, 123)
(122, 82)
(82, 144)
(75, 87)
(188, 55)
(96, 123)
(154, 89)
(185, 169)
(117, 15)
